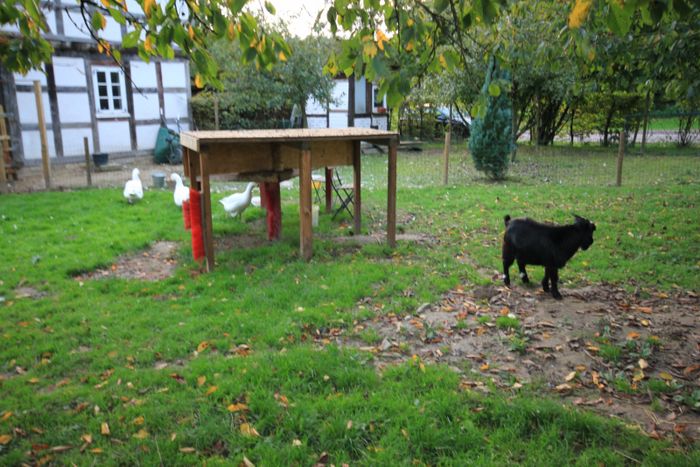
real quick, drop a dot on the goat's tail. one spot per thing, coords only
(506, 219)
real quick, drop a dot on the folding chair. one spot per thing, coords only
(345, 193)
(319, 184)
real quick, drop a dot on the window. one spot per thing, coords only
(110, 95)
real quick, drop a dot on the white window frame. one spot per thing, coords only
(111, 111)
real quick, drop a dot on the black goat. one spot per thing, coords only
(530, 242)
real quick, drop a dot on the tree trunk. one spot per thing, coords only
(571, 127)
(646, 121)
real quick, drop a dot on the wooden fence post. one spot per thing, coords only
(88, 170)
(620, 156)
(5, 139)
(46, 164)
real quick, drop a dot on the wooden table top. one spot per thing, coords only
(194, 139)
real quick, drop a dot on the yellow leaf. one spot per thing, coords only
(563, 388)
(296, 442)
(87, 438)
(33, 381)
(381, 39)
(211, 390)
(96, 450)
(138, 420)
(148, 43)
(201, 380)
(247, 463)
(173, 436)
(148, 5)
(106, 3)
(665, 376)
(247, 430)
(632, 335)
(141, 434)
(104, 429)
(442, 60)
(187, 450)
(5, 416)
(231, 31)
(409, 46)
(645, 322)
(643, 364)
(5, 439)
(409, 22)
(579, 13)
(198, 81)
(638, 375)
(103, 21)
(570, 376)
(282, 57)
(237, 407)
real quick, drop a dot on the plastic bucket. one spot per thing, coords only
(158, 179)
(100, 158)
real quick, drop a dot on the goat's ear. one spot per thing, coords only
(578, 218)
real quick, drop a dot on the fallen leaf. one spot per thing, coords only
(680, 428)
(188, 450)
(177, 378)
(104, 429)
(246, 462)
(570, 376)
(211, 390)
(87, 438)
(296, 442)
(237, 407)
(141, 434)
(644, 322)
(202, 346)
(348, 425)
(96, 450)
(632, 335)
(5, 416)
(484, 367)
(645, 309)
(138, 420)
(201, 380)
(563, 388)
(247, 430)
(504, 311)
(33, 381)
(643, 364)
(5, 439)
(61, 448)
(691, 369)
(173, 436)
(638, 375)
(665, 376)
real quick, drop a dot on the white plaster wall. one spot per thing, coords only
(363, 122)
(31, 143)
(175, 105)
(73, 141)
(340, 95)
(316, 122)
(134, 7)
(315, 107)
(73, 107)
(360, 94)
(144, 75)
(30, 77)
(70, 20)
(174, 75)
(146, 106)
(146, 136)
(69, 71)
(26, 104)
(114, 136)
(338, 120)
(112, 31)
(382, 123)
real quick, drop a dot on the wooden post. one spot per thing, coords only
(46, 164)
(207, 230)
(5, 139)
(329, 189)
(357, 186)
(446, 154)
(620, 156)
(88, 170)
(305, 232)
(391, 195)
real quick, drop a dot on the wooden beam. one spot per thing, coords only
(357, 187)
(329, 189)
(305, 228)
(207, 230)
(391, 196)
(53, 108)
(46, 164)
(4, 137)
(88, 170)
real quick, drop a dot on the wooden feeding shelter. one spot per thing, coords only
(271, 156)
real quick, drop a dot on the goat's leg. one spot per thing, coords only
(554, 277)
(508, 258)
(523, 272)
(545, 281)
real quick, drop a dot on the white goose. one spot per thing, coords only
(236, 203)
(133, 189)
(181, 193)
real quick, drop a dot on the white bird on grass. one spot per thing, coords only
(236, 203)
(181, 193)
(133, 189)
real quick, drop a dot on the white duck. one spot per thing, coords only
(133, 189)
(181, 193)
(236, 203)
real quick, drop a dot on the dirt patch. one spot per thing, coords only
(622, 354)
(156, 263)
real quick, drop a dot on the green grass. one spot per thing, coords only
(89, 351)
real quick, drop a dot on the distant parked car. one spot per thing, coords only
(459, 127)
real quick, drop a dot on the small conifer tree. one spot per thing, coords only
(491, 140)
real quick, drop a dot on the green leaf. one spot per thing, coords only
(440, 5)
(494, 90)
(96, 21)
(270, 8)
(131, 39)
(118, 16)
